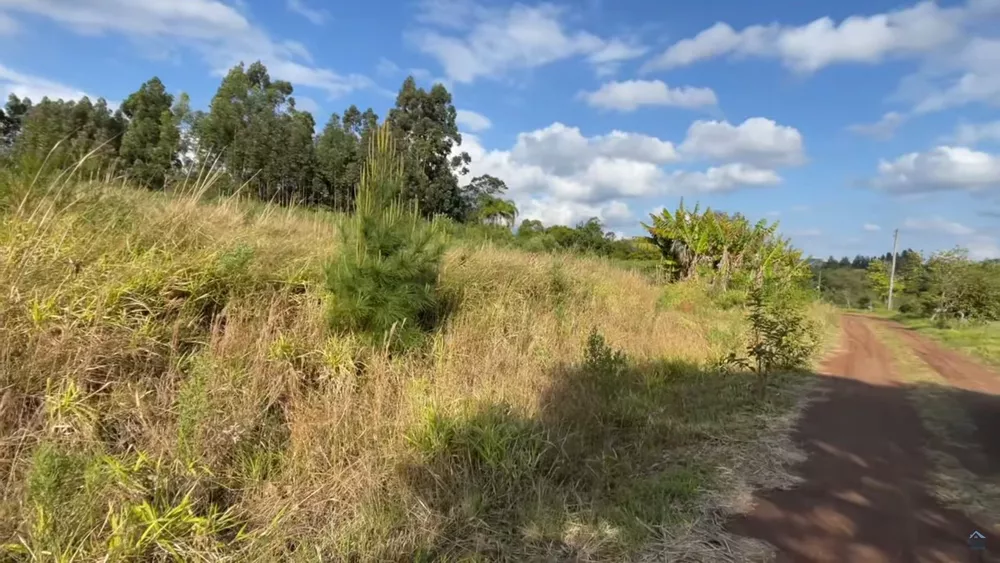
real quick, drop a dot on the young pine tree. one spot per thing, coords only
(384, 281)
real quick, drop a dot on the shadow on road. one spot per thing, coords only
(868, 493)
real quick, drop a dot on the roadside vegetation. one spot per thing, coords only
(211, 353)
(947, 296)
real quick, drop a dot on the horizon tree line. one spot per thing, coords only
(262, 143)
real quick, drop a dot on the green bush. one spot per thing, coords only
(600, 358)
(384, 281)
(781, 337)
(730, 299)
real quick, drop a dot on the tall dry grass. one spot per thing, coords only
(168, 390)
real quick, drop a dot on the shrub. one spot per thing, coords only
(781, 337)
(384, 281)
(600, 358)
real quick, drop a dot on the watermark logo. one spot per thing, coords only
(977, 541)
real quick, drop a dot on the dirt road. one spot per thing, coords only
(865, 495)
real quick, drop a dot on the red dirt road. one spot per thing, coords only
(865, 496)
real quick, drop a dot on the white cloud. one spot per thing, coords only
(982, 247)
(883, 129)
(918, 29)
(954, 45)
(551, 211)
(35, 87)
(472, 121)
(579, 176)
(498, 41)
(966, 74)
(940, 169)
(220, 33)
(727, 177)
(938, 225)
(563, 150)
(871, 227)
(386, 67)
(315, 16)
(8, 25)
(305, 103)
(632, 94)
(969, 134)
(607, 59)
(757, 140)
(718, 40)
(559, 166)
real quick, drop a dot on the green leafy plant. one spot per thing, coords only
(781, 337)
(726, 247)
(601, 358)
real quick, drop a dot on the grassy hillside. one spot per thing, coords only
(169, 390)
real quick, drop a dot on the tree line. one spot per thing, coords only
(265, 147)
(945, 285)
(262, 143)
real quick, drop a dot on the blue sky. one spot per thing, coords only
(843, 120)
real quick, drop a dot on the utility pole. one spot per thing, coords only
(892, 273)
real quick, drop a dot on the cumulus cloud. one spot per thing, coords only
(871, 227)
(563, 150)
(633, 94)
(35, 87)
(220, 33)
(551, 211)
(723, 178)
(953, 44)
(472, 121)
(579, 176)
(501, 40)
(938, 225)
(758, 141)
(315, 16)
(857, 39)
(940, 169)
(883, 129)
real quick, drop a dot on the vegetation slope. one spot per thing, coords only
(170, 389)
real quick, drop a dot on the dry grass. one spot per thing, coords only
(168, 391)
(952, 432)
